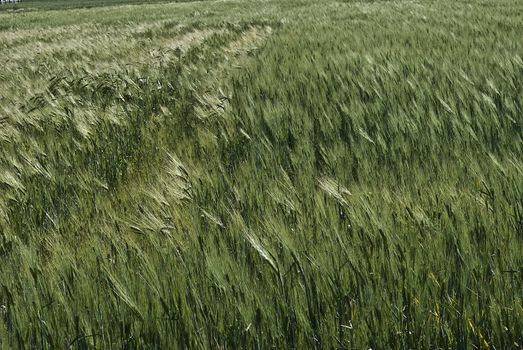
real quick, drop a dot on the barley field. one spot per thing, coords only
(240, 174)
